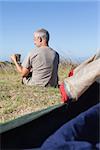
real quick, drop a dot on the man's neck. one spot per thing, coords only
(44, 46)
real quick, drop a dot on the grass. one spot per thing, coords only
(17, 99)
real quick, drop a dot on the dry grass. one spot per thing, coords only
(17, 99)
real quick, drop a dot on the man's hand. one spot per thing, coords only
(13, 58)
(23, 71)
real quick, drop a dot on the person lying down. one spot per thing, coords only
(82, 132)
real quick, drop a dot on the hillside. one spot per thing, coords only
(7, 67)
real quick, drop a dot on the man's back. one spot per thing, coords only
(41, 65)
(44, 63)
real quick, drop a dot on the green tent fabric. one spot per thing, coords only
(26, 118)
(30, 131)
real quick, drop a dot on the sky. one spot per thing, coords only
(74, 26)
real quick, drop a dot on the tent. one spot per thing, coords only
(30, 131)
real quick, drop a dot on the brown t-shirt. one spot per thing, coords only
(44, 65)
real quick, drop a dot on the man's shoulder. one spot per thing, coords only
(33, 51)
(54, 50)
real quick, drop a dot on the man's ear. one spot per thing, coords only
(40, 39)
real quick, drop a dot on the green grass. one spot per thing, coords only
(17, 99)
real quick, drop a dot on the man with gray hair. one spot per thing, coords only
(41, 65)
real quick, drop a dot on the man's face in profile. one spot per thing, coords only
(37, 40)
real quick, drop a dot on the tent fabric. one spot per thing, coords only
(81, 132)
(26, 118)
(35, 129)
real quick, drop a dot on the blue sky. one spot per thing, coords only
(73, 26)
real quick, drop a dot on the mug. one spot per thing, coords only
(18, 57)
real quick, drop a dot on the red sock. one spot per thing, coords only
(71, 73)
(64, 96)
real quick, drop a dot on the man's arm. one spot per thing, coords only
(23, 71)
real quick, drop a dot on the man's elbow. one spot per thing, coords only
(23, 75)
(24, 72)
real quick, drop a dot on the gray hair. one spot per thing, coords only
(43, 34)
